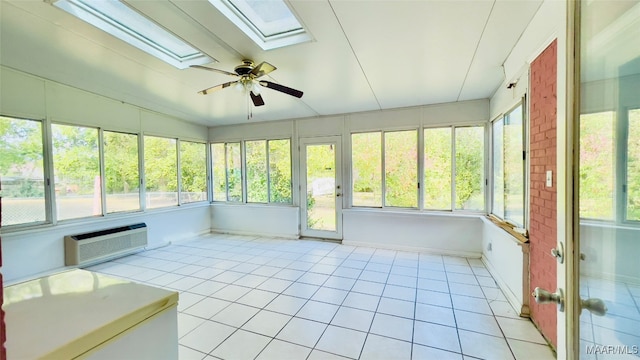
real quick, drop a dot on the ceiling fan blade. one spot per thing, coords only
(216, 88)
(281, 88)
(262, 69)
(256, 98)
(214, 70)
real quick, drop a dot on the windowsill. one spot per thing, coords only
(94, 220)
(519, 237)
(266, 205)
(415, 212)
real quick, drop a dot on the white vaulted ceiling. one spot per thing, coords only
(365, 55)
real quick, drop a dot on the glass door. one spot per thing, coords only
(608, 181)
(321, 187)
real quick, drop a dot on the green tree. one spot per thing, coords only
(75, 157)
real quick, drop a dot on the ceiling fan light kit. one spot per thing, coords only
(248, 80)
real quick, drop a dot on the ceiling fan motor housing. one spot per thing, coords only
(245, 68)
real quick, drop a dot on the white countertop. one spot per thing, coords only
(65, 315)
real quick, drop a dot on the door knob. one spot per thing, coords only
(595, 306)
(542, 296)
(338, 194)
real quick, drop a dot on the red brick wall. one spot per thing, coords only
(543, 221)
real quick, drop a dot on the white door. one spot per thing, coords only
(607, 241)
(321, 187)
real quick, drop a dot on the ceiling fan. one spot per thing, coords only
(249, 80)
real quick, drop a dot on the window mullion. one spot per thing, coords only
(383, 177)
(268, 170)
(103, 178)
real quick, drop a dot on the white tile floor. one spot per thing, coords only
(262, 298)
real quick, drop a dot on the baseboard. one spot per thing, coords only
(512, 298)
(466, 254)
(252, 233)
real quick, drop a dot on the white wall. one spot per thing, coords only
(30, 252)
(39, 249)
(458, 235)
(508, 261)
(28, 96)
(255, 219)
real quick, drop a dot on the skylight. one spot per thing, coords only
(270, 24)
(119, 20)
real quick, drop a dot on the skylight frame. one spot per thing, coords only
(133, 32)
(264, 38)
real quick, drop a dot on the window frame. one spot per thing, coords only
(522, 103)
(244, 179)
(420, 168)
(47, 163)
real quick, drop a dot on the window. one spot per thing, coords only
(268, 171)
(22, 171)
(437, 168)
(633, 166)
(597, 165)
(401, 168)
(280, 171)
(366, 150)
(469, 168)
(193, 172)
(161, 172)
(270, 24)
(257, 182)
(119, 20)
(509, 167)
(76, 166)
(219, 172)
(122, 180)
(399, 149)
(227, 172)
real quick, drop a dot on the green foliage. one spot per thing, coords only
(160, 164)
(366, 150)
(401, 168)
(121, 162)
(193, 167)
(597, 165)
(437, 168)
(76, 159)
(21, 158)
(470, 168)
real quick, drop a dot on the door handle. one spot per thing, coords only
(338, 194)
(595, 306)
(542, 296)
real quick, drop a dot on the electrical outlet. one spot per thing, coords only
(489, 247)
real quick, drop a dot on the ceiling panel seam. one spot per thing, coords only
(475, 52)
(354, 54)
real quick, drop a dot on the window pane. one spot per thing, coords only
(256, 154)
(21, 171)
(597, 165)
(76, 165)
(366, 160)
(470, 168)
(437, 169)
(234, 172)
(498, 168)
(401, 168)
(121, 171)
(193, 171)
(218, 169)
(633, 166)
(161, 171)
(280, 171)
(514, 167)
